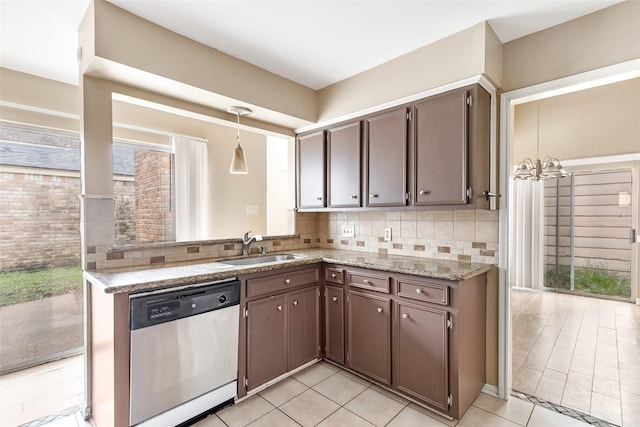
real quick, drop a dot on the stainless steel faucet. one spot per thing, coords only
(248, 241)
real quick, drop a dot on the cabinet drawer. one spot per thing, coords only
(278, 282)
(367, 280)
(423, 291)
(334, 275)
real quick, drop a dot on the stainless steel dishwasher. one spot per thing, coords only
(184, 352)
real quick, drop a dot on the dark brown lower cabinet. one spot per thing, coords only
(369, 335)
(303, 327)
(266, 340)
(334, 323)
(421, 353)
(282, 334)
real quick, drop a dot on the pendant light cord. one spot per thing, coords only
(238, 128)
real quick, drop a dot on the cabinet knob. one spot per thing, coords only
(373, 196)
(418, 291)
(366, 282)
(279, 308)
(354, 196)
(318, 198)
(423, 192)
(334, 275)
(405, 316)
(379, 309)
(334, 299)
(287, 281)
(295, 303)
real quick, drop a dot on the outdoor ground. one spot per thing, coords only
(31, 330)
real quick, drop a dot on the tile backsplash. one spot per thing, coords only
(459, 235)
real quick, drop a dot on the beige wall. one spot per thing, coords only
(607, 37)
(123, 47)
(596, 122)
(25, 89)
(454, 58)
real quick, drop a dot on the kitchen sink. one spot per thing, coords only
(262, 259)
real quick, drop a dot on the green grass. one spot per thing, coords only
(19, 287)
(595, 279)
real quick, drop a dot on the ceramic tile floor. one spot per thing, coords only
(38, 392)
(578, 352)
(324, 395)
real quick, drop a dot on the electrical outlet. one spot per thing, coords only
(387, 234)
(252, 209)
(348, 230)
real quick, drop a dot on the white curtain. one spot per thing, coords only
(526, 263)
(192, 189)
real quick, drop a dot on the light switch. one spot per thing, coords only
(348, 230)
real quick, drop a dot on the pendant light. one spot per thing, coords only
(536, 170)
(238, 161)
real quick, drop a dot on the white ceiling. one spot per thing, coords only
(315, 43)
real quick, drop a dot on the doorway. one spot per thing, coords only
(594, 369)
(588, 233)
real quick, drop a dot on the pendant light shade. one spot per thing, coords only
(238, 160)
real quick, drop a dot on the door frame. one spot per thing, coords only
(508, 101)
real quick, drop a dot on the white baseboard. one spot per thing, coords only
(490, 389)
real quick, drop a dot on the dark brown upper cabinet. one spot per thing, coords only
(310, 166)
(343, 166)
(386, 148)
(432, 153)
(451, 149)
(441, 150)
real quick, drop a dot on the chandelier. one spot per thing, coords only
(535, 170)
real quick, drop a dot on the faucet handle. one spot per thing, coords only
(246, 236)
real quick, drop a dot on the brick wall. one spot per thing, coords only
(154, 216)
(39, 221)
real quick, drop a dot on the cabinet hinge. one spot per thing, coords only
(246, 382)
(469, 101)
(469, 193)
(449, 400)
(449, 323)
(246, 313)
(408, 116)
(407, 196)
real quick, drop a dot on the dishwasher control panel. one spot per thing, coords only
(164, 306)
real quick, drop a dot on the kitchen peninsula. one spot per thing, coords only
(414, 325)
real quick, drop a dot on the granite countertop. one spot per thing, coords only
(177, 274)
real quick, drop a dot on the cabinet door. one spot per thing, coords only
(387, 159)
(303, 323)
(441, 150)
(369, 335)
(421, 353)
(266, 340)
(334, 323)
(343, 153)
(311, 171)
